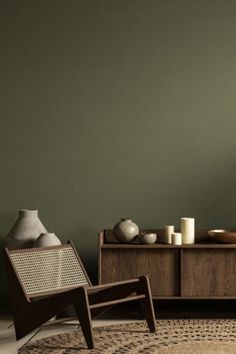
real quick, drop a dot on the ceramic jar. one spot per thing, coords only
(26, 229)
(47, 239)
(125, 230)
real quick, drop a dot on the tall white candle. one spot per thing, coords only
(188, 230)
(177, 238)
(169, 229)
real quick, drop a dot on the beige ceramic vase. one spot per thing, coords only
(46, 240)
(25, 231)
(125, 230)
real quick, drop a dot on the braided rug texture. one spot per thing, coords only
(172, 337)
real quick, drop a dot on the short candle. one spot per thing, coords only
(176, 238)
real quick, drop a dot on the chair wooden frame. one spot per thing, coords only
(31, 311)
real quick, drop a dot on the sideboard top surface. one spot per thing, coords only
(163, 245)
(107, 240)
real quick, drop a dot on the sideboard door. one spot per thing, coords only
(161, 265)
(208, 272)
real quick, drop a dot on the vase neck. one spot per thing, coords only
(27, 212)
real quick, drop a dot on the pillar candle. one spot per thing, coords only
(188, 230)
(176, 238)
(169, 229)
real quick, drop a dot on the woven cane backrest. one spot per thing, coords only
(47, 270)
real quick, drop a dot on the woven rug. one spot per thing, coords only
(172, 337)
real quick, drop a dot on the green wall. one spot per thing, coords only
(117, 108)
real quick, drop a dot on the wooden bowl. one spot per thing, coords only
(226, 236)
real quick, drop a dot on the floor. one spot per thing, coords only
(9, 345)
(120, 314)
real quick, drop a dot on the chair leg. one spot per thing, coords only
(81, 306)
(147, 304)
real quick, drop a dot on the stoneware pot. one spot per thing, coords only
(26, 229)
(148, 238)
(125, 230)
(47, 239)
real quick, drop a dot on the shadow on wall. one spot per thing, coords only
(5, 219)
(85, 240)
(4, 298)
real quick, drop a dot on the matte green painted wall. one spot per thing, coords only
(117, 108)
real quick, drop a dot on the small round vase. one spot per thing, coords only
(25, 230)
(47, 239)
(125, 230)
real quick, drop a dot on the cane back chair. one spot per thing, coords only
(43, 281)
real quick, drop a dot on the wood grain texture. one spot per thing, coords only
(204, 270)
(161, 268)
(209, 273)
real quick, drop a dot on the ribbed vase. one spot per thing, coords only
(25, 231)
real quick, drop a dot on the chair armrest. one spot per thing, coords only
(108, 285)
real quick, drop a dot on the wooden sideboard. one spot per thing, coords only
(204, 270)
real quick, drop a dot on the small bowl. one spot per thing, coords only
(215, 232)
(226, 236)
(148, 238)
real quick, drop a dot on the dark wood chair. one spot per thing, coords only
(43, 281)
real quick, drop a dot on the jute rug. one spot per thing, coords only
(172, 337)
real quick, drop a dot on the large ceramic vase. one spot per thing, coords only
(125, 230)
(25, 231)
